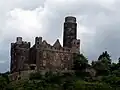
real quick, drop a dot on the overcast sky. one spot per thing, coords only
(98, 24)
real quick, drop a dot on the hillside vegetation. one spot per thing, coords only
(101, 74)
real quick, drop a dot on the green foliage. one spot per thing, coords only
(3, 83)
(107, 77)
(61, 81)
(103, 65)
(80, 62)
(105, 56)
(101, 68)
(35, 76)
(116, 73)
(68, 84)
(82, 85)
(114, 66)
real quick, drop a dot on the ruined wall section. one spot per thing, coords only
(19, 55)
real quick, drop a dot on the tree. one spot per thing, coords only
(118, 64)
(3, 83)
(80, 62)
(105, 56)
(35, 76)
(103, 65)
(119, 60)
(114, 66)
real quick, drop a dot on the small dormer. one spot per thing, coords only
(57, 44)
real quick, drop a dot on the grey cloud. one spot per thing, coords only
(108, 39)
(30, 4)
(4, 66)
(96, 16)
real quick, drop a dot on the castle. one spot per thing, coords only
(43, 56)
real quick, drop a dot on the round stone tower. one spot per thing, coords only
(70, 31)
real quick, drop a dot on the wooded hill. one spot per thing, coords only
(106, 76)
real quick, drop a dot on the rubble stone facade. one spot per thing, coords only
(43, 56)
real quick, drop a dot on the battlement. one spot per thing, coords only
(38, 40)
(70, 19)
(62, 49)
(19, 40)
(20, 44)
(45, 46)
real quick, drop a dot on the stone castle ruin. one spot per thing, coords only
(43, 56)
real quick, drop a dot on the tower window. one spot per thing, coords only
(44, 55)
(78, 43)
(37, 42)
(32, 67)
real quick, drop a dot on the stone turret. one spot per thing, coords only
(19, 40)
(76, 46)
(70, 19)
(38, 40)
(19, 55)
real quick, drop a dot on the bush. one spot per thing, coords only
(82, 85)
(35, 76)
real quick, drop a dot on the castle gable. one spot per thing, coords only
(44, 43)
(57, 44)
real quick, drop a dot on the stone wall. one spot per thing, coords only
(26, 74)
(54, 60)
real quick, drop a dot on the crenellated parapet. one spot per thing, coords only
(43, 45)
(39, 44)
(38, 40)
(22, 44)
